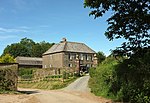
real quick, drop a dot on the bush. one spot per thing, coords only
(8, 78)
(127, 81)
(26, 73)
(101, 77)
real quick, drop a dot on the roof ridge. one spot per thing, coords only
(74, 42)
(27, 57)
(69, 46)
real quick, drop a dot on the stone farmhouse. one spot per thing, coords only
(69, 55)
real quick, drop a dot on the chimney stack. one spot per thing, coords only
(63, 40)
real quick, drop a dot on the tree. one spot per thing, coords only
(37, 50)
(7, 59)
(16, 49)
(28, 48)
(100, 56)
(130, 20)
(28, 43)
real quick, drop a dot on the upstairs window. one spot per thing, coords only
(88, 57)
(71, 56)
(81, 56)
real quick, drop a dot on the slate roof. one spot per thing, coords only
(29, 60)
(65, 46)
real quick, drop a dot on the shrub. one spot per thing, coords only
(26, 73)
(7, 58)
(127, 81)
(101, 77)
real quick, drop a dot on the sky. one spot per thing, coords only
(52, 20)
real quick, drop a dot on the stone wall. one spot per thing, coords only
(8, 76)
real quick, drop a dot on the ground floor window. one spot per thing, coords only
(70, 65)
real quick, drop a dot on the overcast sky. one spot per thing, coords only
(50, 21)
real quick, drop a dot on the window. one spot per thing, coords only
(88, 65)
(50, 65)
(71, 56)
(87, 57)
(81, 56)
(70, 65)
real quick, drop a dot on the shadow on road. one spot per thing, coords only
(27, 92)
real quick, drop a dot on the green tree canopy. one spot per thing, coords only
(7, 59)
(130, 19)
(16, 49)
(100, 56)
(28, 48)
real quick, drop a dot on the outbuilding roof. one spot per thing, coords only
(65, 46)
(29, 60)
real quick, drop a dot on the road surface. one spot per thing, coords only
(77, 92)
(80, 85)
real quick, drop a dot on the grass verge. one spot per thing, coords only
(48, 85)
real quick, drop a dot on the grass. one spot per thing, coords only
(48, 85)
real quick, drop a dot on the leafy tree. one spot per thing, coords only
(37, 50)
(16, 49)
(100, 56)
(45, 46)
(28, 48)
(28, 43)
(130, 20)
(7, 59)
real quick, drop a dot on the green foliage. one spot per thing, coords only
(134, 75)
(7, 59)
(130, 19)
(28, 48)
(101, 76)
(8, 78)
(67, 75)
(100, 56)
(127, 81)
(26, 73)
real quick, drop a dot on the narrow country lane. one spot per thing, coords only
(77, 92)
(80, 85)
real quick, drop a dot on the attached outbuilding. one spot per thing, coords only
(29, 62)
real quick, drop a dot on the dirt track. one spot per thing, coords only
(77, 92)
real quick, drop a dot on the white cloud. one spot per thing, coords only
(11, 30)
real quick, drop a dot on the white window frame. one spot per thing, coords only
(70, 65)
(81, 56)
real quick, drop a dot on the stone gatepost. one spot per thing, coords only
(95, 60)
